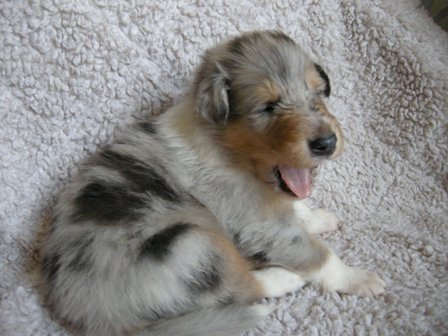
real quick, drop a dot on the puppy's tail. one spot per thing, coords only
(226, 320)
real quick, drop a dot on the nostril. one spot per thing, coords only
(324, 145)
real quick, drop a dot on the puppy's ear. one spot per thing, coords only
(327, 89)
(211, 93)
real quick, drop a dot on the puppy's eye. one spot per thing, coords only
(270, 107)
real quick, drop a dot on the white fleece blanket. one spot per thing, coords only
(71, 71)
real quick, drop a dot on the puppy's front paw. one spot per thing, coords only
(362, 283)
(336, 276)
(277, 281)
(321, 221)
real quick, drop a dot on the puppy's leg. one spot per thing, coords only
(334, 275)
(218, 282)
(321, 266)
(229, 307)
(316, 221)
(266, 282)
(294, 248)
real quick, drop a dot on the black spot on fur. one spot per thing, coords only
(142, 177)
(297, 239)
(260, 257)
(50, 267)
(82, 260)
(158, 245)
(105, 203)
(148, 127)
(205, 278)
(236, 238)
(324, 76)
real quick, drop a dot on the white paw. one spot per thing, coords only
(336, 276)
(321, 221)
(364, 283)
(277, 281)
(263, 310)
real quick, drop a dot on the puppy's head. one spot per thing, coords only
(263, 97)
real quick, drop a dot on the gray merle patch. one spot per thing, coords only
(142, 177)
(158, 246)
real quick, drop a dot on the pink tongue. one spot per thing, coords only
(298, 180)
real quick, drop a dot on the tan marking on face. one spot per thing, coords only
(268, 91)
(283, 142)
(247, 147)
(288, 134)
(312, 78)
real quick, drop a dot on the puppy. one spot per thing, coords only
(183, 223)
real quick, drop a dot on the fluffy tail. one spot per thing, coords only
(215, 321)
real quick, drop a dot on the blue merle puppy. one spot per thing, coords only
(183, 223)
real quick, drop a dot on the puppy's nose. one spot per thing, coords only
(324, 145)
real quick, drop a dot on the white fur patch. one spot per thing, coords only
(278, 281)
(337, 276)
(316, 221)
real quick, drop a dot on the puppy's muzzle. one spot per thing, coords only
(323, 146)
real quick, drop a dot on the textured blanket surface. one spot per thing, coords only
(73, 71)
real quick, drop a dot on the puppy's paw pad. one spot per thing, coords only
(323, 221)
(278, 281)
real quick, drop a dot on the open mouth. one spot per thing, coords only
(295, 182)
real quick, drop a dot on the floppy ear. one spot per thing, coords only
(327, 89)
(211, 93)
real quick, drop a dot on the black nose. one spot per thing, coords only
(324, 145)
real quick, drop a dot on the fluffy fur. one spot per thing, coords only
(183, 223)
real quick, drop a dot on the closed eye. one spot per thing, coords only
(270, 107)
